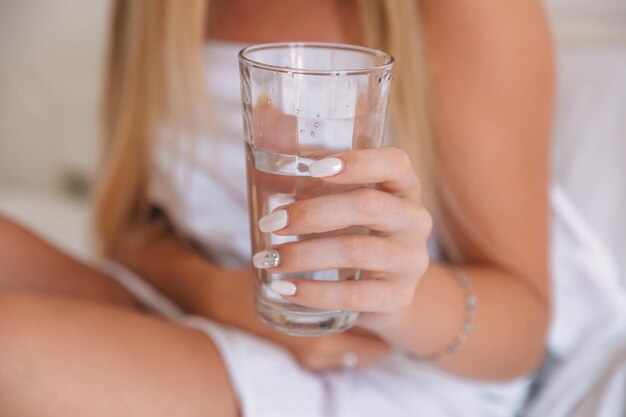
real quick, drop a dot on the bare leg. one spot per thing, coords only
(66, 357)
(30, 264)
(72, 344)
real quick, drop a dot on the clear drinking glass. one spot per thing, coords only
(303, 102)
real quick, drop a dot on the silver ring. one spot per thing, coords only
(349, 360)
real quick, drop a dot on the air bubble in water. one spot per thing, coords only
(318, 115)
(316, 124)
(301, 130)
(297, 111)
(312, 134)
(290, 74)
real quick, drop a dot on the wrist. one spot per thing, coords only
(469, 307)
(432, 320)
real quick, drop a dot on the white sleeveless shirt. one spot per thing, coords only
(586, 21)
(202, 188)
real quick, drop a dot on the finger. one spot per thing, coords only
(367, 295)
(370, 253)
(327, 352)
(389, 167)
(374, 209)
(367, 350)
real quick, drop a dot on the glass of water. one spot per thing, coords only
(303, 102)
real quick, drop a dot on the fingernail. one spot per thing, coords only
(273, 221)
(266, 259)
(283, 287)
(326, 167)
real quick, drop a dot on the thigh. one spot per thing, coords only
(29, 263)
(69, 357)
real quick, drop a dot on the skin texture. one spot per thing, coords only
(490, 64)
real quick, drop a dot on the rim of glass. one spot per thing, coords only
(389, 60)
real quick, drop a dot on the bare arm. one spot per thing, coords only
(227, 296)
(193, 282)
(491, 69)
(28, 263)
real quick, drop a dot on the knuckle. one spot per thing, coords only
(301, 213)
(403, 161)
(369, 201)
(401, 213)
(397, 207)
(353, 296)
(389, 300)
(420, 264)
(418, 185)
(400, 157)
(395, 255)
(400, 298)
(414, 215)
(380, 299)
(424, 220)
(353, 249)
(403, 169)
(406, 297)
(421, 219)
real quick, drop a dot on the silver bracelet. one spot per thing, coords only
(470, 304)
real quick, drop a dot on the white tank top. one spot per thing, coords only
(588, 20)
(202, 189)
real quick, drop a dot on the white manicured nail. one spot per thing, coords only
(283, 287)
(266, 259)
(273, 221)
(326, 167)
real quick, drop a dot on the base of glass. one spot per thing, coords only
(301, 321)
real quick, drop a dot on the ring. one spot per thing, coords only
(349, 359)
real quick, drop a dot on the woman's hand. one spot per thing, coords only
(354, 348)
(394, 256)
(227, 296)
(230, 300)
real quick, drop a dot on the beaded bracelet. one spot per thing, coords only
(470, 304)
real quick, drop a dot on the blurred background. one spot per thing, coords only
(51, 69)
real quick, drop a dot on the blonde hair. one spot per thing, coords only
(155, 76)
